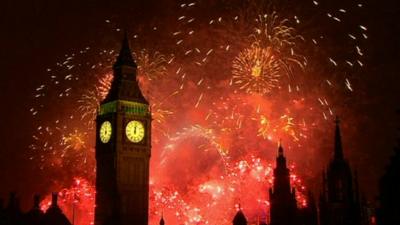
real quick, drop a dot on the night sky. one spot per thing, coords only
(37, 34)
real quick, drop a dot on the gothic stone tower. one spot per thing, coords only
(123, 148)
(282, 197)
(339, 201)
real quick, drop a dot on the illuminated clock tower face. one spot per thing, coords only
(123, 147)
(135, 131)
(105, 132)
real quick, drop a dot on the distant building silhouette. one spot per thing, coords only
(339, 200)
(281, 196)
(53, 214)
(240, 218)
(162, 222)
(35, 215)
(388, 212)
(309, 214)
(12, 214)
(283, 204)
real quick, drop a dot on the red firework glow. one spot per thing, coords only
(77, 201)
(219, 110)
(254, 175)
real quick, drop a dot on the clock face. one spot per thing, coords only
(105, 131)
(134, 131)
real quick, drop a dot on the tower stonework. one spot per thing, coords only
(339, 202)
(282, 197)
(123, 148)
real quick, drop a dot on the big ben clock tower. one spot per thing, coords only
(123, 148)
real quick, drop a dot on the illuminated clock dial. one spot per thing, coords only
(134, 131)
(105, 131)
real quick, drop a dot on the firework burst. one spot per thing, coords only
(104, 85)
(259, 68)
(89, 104)
(256, 70)
(151, 66)
(222, 135)
(160, 115)
(75, 140)
(77, 201)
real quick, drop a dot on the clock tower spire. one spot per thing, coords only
(124, 85)
(123, 148)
